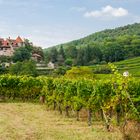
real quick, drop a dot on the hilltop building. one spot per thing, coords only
(8, 46)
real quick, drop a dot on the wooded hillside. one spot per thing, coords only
(110, 45)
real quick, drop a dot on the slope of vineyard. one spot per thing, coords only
(131, 65)
(112, 101)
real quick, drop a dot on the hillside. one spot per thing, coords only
(98, 37)
(131, 65)
(110, 45)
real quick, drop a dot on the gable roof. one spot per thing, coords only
(19, 40)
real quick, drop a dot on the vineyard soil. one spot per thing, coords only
(27, 121)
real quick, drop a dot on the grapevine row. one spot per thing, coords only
(116, 96)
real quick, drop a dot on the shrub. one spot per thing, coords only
(102, 70)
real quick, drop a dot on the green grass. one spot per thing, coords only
(28, 121)
(132, 65)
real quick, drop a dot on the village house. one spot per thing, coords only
(8, 46)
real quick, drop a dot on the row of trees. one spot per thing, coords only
(73, 56)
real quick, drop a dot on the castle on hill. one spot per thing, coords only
(8, 46)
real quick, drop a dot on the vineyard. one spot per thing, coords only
(114, 101)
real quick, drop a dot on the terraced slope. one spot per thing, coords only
(131, 65)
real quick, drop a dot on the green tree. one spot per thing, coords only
(71, 52)
(68, 62)
(53, 55)
(113, 52)
(80, 60)
(4, 58)
(22, 54)
(24, 68)
(62, 52)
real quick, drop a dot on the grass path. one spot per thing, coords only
(27, 121)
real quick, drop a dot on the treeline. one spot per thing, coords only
(106, 46)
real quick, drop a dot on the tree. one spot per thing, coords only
(4, 58)
(16, 68)
(22, 54)
(24, 68)
(71, 52)
(62, 52)
(80, 60)
(53, 55)
(68, 62)
(113, 52)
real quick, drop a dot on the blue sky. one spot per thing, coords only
(50, 22)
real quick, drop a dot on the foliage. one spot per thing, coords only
(79, 72)
(5, 59)
(118, 96)
(38, 50)
(60, 71)
(21, 87)
(106, 46)
(22, 54)
(68, 62)
(24, 68)
(102, 70)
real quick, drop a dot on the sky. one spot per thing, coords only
(51, 22)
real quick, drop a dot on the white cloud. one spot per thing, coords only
(107, 11)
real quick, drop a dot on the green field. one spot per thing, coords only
(27, 121)
(132, 65)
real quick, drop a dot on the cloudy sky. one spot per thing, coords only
(50, 22)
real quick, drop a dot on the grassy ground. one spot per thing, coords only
(27, 121)
(132, 65)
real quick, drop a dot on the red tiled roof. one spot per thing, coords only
(19, 40)
(13, 42)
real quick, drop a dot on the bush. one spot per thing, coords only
(24, 68)
(80, 72)
(102, 70)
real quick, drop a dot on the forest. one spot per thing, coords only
(110, 45)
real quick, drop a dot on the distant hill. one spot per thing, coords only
(99, 37)
(111, 44)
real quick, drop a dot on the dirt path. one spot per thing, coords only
(27, 121)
